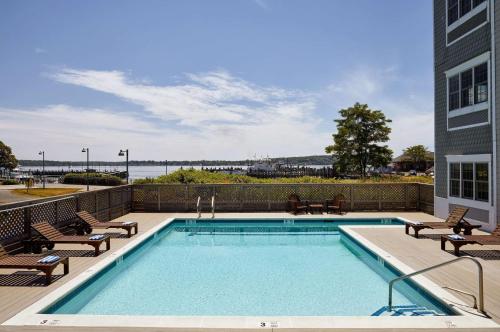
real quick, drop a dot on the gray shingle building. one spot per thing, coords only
(466, 135)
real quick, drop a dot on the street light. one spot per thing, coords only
(87, 150)
(124, 153)
(42, 153)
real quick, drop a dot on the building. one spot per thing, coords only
(404, 163)
(466, 135)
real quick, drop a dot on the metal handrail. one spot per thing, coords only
(213, 207)
(480, 279)
(198, 209)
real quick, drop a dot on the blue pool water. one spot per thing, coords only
(246, 268)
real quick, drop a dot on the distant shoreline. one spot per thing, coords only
(306, 160)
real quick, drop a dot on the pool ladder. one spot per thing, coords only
(198, 207)
(479, 282)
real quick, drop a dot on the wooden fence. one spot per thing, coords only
(273, 197)
(16, 220)
(107, 204)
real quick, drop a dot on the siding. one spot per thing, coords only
(477, 140)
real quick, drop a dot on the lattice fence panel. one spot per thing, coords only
(426, 198)
(87, 202)
(139, 195)
(365, 196)
(175, 197)
(44, 212)
(11, 224)
(66, 210)
(103, 206)
(255, 198)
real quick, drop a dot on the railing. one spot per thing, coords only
(198, 209)
(16, 219)
(479, 280)
(274, 197)
(213, 207)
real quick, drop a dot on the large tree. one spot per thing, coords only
(360, 131)
(7, 159)
(417, 154)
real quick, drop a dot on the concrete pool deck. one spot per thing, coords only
(416, 253)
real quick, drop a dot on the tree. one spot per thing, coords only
(7, 159)
(417, 154)
(356, 143)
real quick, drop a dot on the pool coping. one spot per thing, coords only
(30, 316)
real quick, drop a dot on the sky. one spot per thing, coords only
(213, 79)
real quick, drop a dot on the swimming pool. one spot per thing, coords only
(249, 268)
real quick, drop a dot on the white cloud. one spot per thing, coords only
(39, 50)
(210, 115)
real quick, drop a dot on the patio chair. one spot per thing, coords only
(88, 222)
(455, 221)
(458, 241)
(335, 204)
(50, 236)
(296, 205)
(32, 262)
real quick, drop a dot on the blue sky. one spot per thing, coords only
(209, 79)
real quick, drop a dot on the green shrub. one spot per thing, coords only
(96, 179)
(10, 181)
(199, 177)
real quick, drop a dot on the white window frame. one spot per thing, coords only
(476, 158)
(485, 57)
(466, 17)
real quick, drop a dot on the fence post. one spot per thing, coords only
(121, 203)
(96, 206)
(351, 194)
(158, 196)
(379, 196)
(406, 197)
(109, 204)
(418, 196)
(27, 222)
(56, 205)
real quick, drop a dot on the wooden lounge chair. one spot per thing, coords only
(296, 205)
(492, 239)
(455, 221)
(51, 236)
(88, 222)
(335, 204)
(31, 262)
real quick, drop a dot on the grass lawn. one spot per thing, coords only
(47, 192)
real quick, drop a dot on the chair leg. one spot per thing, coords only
(416, 232)
(443, 243)
(129, 232)
(407, 229)
(96, 249)
(136, 228)
(108, 243)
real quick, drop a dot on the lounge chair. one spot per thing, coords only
(88, 222)
(32, 262)
(455, 221)
(51, 236)
(296, 205)
(459, 241)
(335, 204)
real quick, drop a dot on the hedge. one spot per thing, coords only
(96, 179)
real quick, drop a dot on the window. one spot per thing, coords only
(452, 11)
(455, 179)
(459, 8)
(482, 186)
(468, 87)
(454, 97)
(465, 7)
(469, 180)
(481, 83)
(467, 96)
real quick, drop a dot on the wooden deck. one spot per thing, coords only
(19, 289)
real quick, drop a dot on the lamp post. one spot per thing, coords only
(87, 150)
(121, 154)
(42, 153)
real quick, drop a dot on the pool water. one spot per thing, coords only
(270, 268)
